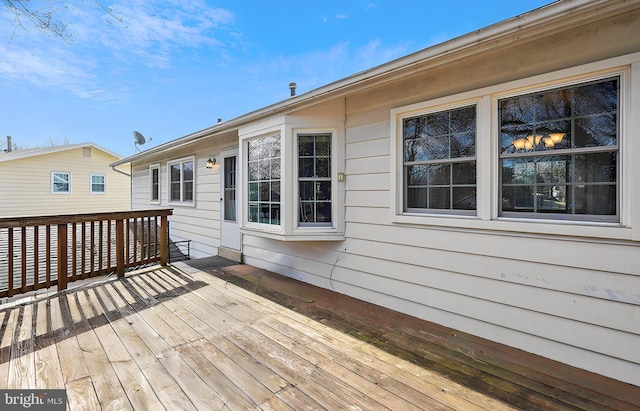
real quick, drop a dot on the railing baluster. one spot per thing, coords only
(74, 265)
(109, 265)
(48, 255)
(36, 260)
(83, 271)
(10, 251)
(120, 264)
(135, 241)
(93, 248)
(62, 256)
(128, 239)
(164, 240)
(23, 253)
(100, 245)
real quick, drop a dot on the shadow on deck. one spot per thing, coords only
(213, 334)
(521, 379)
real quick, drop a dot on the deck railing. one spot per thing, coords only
(45, 251)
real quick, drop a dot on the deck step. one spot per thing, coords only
(230, 254)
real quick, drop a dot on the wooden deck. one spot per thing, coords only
(201, 336)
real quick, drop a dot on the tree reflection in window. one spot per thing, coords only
(559, 151)
(264, 161)
(440, 160)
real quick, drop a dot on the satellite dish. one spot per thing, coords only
(138, 139)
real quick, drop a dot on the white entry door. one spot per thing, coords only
(229, 228)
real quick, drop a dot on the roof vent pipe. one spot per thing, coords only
(8, 150)
(292, 87)
(219, 120)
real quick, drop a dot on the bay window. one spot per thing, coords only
(291, 180)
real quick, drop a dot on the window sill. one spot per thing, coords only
(298, 235)
(522, 227)
(182, 204)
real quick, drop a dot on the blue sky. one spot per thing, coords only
(173, 67)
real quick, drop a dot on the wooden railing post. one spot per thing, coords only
(120, 264)
(164, 240)
(62, 257)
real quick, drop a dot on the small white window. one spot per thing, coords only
(154, 183)
(181, 181)
(98, 183)
(60, 182)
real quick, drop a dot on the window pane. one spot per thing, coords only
(305, 168)
(323, 190)
(464, 198)
(464, 173)
(314, 173)
(187, 168)
(97, 184)
(581, 120)
(175, 191)
(175, 172)
(307, 190)
(264, 180)
(323, 212)
(595, 199)
(61, 183)
(434, 141)
(323, 167)
(439, 198)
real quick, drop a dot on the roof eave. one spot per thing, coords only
(542, 20)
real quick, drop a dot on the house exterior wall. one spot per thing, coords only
(25, 184)
(570, 292)
(198, 222)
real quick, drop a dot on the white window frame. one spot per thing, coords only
(263, 225)
(104, 183)
(53, 191)
(153, 167)
(487, 152)
(182, 201)
(289, 228)
(431, 110)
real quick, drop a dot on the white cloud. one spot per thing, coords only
(150, 33)
(342, 16)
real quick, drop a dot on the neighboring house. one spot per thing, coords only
(487, 184)
(66, 179)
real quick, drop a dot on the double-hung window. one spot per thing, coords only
(154, 183)
(98, 183)
(181, 181)
(264, 165)
(559, 152)
(314, 179)
(60, 182)
(439, 161)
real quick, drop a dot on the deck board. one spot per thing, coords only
(180, 338)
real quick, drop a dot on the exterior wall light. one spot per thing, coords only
(211, 162)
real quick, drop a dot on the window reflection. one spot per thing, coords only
(264, 180)
(559, 150)
(439, 158)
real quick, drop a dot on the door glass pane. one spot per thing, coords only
(230, 188)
